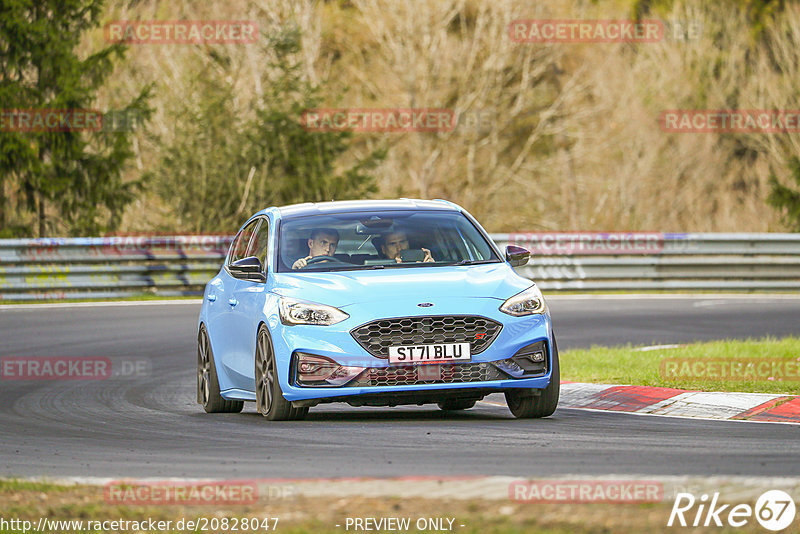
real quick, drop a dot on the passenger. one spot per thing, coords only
(393, 244)
(323, 242)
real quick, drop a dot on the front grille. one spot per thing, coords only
(377, 336)
(426, 374)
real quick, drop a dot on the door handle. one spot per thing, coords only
(211, 297)
(232, 301)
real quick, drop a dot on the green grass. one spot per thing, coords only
(319, 514)
(13, 485)
(625, 365)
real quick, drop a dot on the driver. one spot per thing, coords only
(322, 242)
(391, 245)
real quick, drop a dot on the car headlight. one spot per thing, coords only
(527, 302)
(294, 311)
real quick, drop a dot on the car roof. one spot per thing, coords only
(321, 208)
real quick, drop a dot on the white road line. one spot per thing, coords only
(99, 304)
(551, 296)
(655, 347)
(687, 417)
(709, 404)
(691, 296)
(697, 405)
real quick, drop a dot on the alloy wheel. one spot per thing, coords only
(265, 374)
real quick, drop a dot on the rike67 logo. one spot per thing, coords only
(774, 510)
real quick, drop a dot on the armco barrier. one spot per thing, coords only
(108, 267)
(585, 261)
(112, 267)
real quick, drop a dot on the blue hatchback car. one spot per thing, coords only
(373, 303)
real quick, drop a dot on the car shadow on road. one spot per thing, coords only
(345, 413)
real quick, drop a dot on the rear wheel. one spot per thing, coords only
(456, 404)
(207, 383)
(523, 405)
(269, 397)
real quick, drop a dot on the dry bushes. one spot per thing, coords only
(550, 136)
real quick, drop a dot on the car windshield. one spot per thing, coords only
(379, 240)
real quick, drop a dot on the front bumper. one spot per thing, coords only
(336, 343)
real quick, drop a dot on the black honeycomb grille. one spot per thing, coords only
(426, 374)
(377, 336)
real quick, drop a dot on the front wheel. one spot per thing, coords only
(269, 397)
(525, 406)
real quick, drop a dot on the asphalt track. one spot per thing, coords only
(150, 426)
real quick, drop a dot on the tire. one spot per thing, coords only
(525, 406)
(456, 404)
(269, 397)
(207, 383)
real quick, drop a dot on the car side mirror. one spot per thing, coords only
(248, 268)
(517, 256)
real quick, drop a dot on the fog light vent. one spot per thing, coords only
(529, 361)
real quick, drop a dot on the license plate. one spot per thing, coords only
(434, 353)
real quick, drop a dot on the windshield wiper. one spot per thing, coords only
(471, 262)
(410, 264)
(354, 268)
(403, 264)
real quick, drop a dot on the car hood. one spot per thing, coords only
(495, 280)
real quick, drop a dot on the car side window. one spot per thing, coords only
(240, 244)
(259, 244)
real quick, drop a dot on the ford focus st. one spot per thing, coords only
(373, 303)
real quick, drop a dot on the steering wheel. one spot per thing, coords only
(319, 259)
